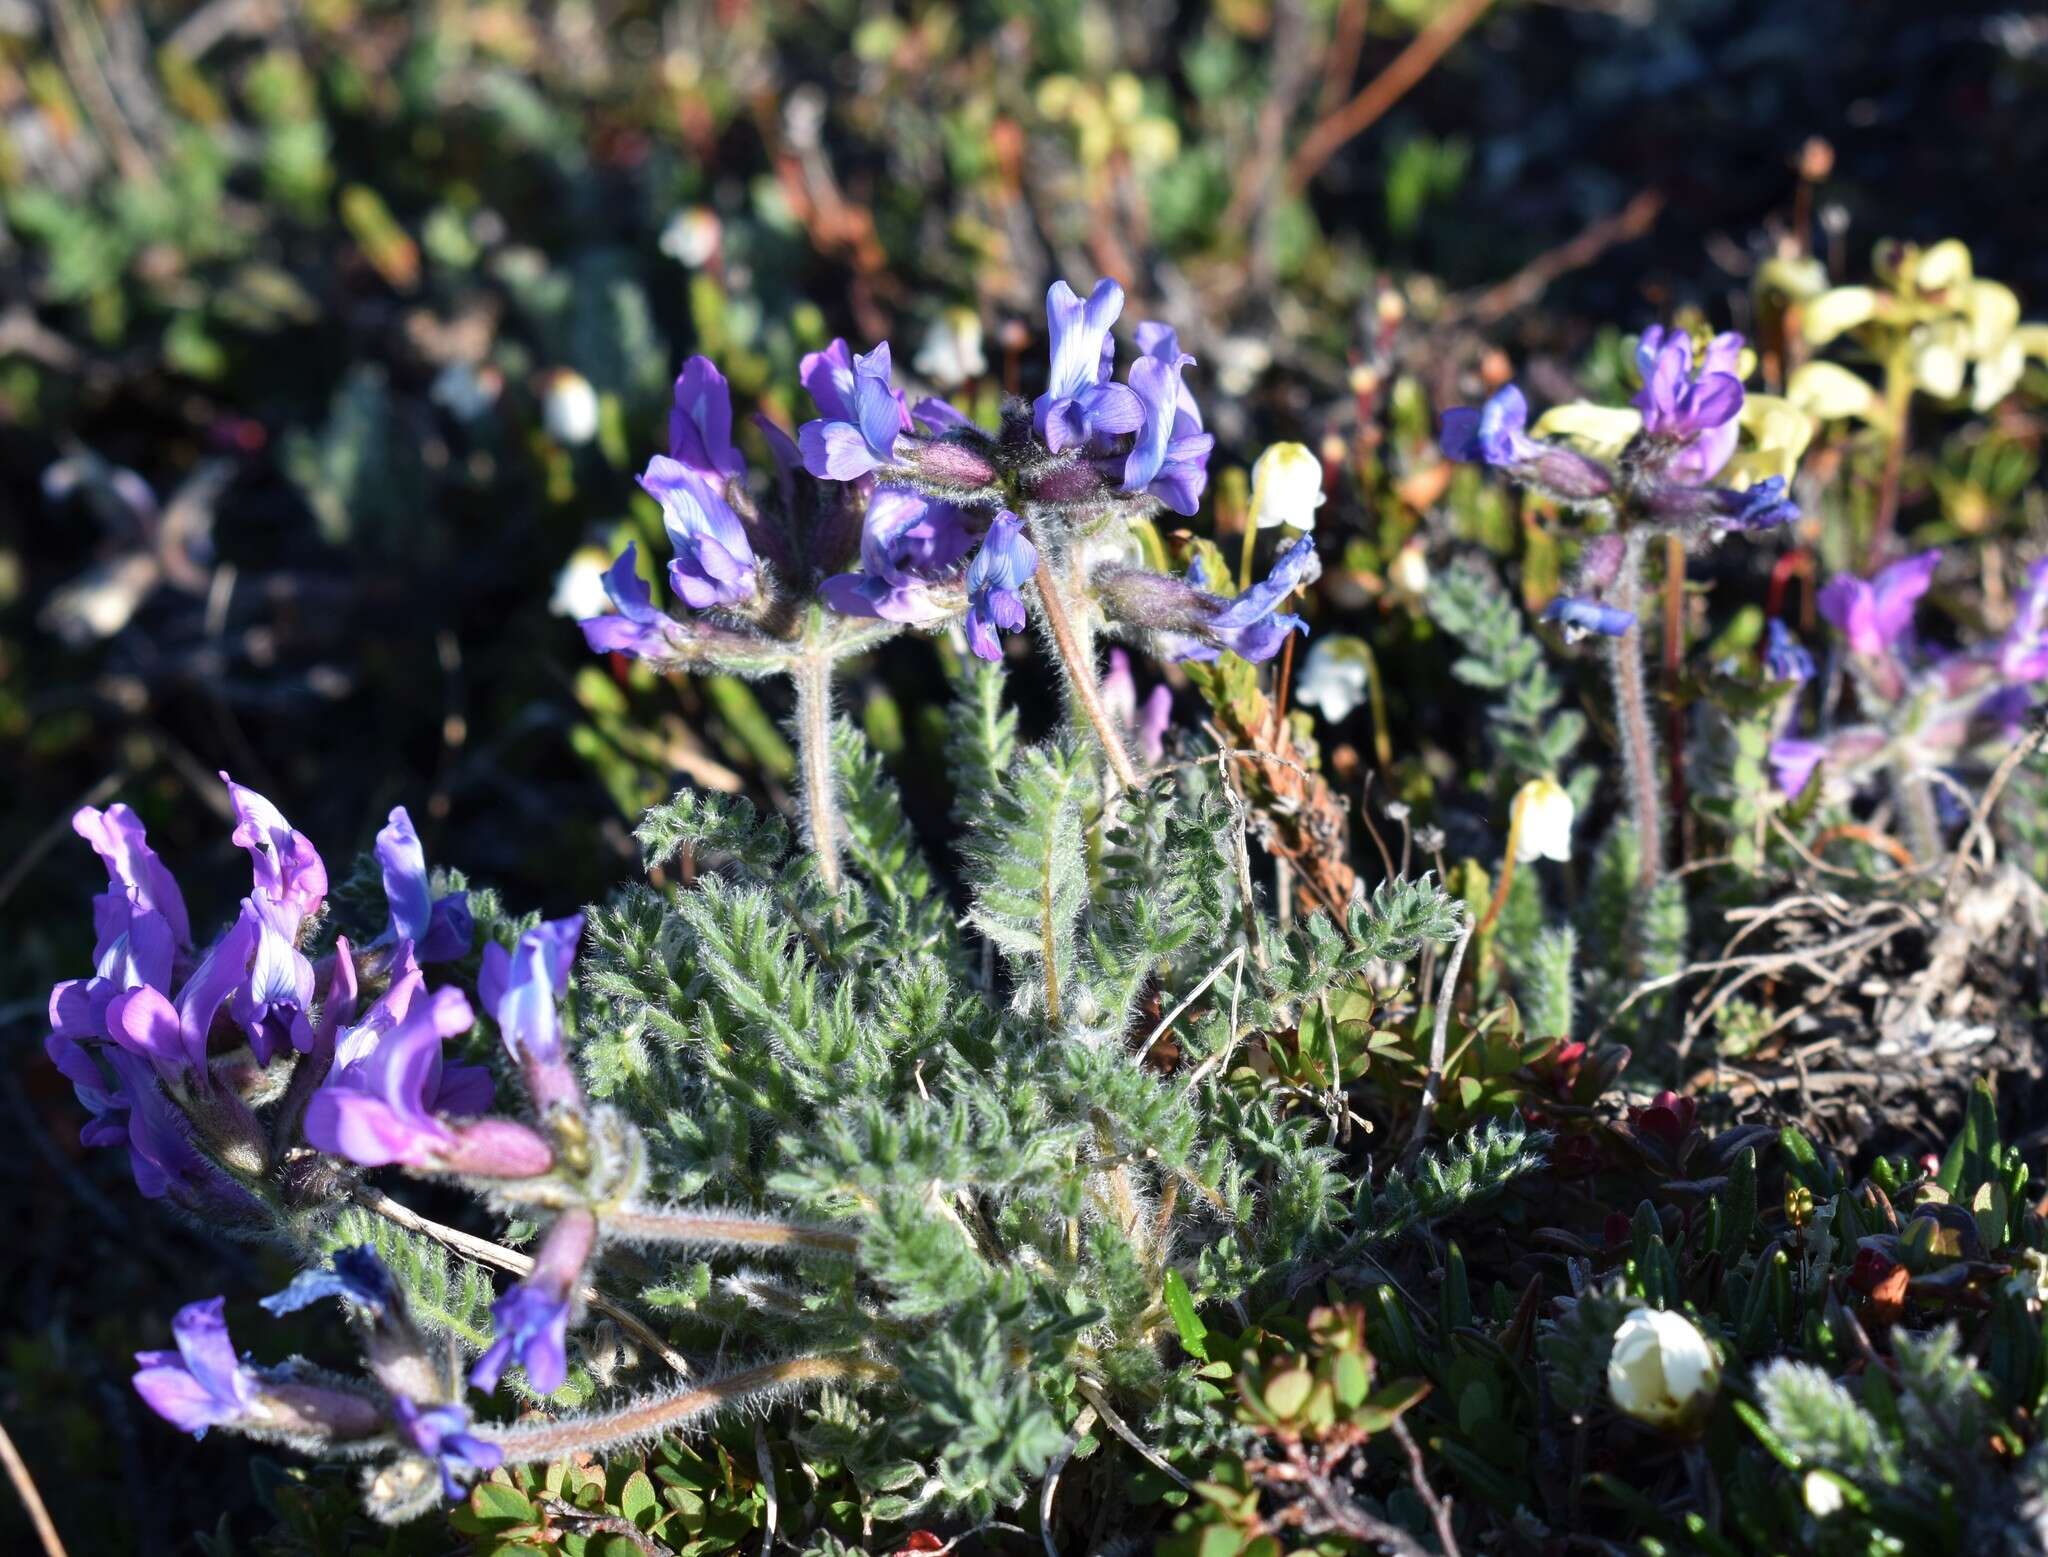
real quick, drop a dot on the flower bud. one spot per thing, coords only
(954, 464)
(1662, 1370)
(569, 408)
(1543, 822)
(1287, 487)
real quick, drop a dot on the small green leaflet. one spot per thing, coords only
(1180, 1303)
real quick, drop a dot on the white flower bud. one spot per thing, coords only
(1334, 677)
(1287, 487)
(1823, 1494)
(951, 353)
(569, 408)
(1662, 1371)
(1409, 571)
(1545, 813)
(691, 237)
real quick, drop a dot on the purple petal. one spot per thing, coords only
(404, 865)
(835, 451)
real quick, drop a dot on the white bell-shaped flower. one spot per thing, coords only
(1662, 1370)
(1545, 821)
(1287, 487)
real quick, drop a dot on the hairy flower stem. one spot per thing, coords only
(648, 1418)
(812, 679)
(1632, 720)
(1079, 660)
(684, 1227)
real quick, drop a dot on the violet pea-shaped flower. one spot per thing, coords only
(1496, 435)
(1251, 625)
(203, 1383)
(995, 581)
(1169, 458)
(381, 1109)
(519, 988)
(862, 419)
(441, 1434)
(1697, 409)
(1079, 404)
(134, 869)
(700, 422)
(1785, 657)
(714, 561)
(531, 1320)
(638, 628)
(355, 1275)
(1875, 615)
(288, 870)
(1577, 617)
(2023, 650)
(911, 549)
(439, 928)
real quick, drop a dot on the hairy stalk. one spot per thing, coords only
(1079, 660)
(649, 1417)
(813, 681)
(685, 1227)
(1920, 820)
(1632, 719)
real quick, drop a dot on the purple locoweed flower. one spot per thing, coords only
(1876, 615)
(2023, 651)
(995, 580)
(442, 1434)
(1251, 625)
(532, 1319)
(520, 987)
(1785, 657)
(1577, 616)
(862, 414)
(1080, 403)
(1163, 341)
(355, 1275)
(714, 561)
(273, 1004)
(911, 550)
(135, 873)
(203, 1383)
(1793, 761)
(1696, 409)
(385, 1105)
(288, 870)
(438, 928)
(1169, 458)
(637, 628)
(1497, 435)
(700, 422)
(1146, 725)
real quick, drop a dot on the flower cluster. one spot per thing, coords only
(1664, 478)
(891, 513)
(1924, 709)
(224, 1068)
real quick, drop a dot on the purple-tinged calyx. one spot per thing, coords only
(995, 584)
(862, 414)
(911, 549)
(531, 1320)
(1079, 403)
(1764, 506)
(1876, 615)
(441, 1434)
(1497, 435)
(439, 928)
(203, 1383)
(700, 422)
(1576, 617)
(714, 561)
(1194, 624)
